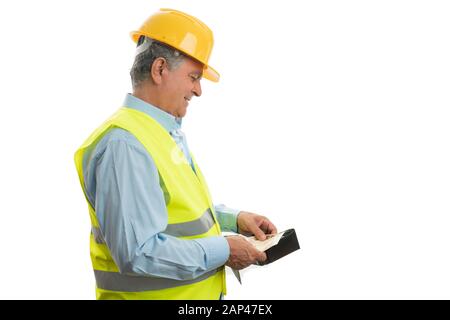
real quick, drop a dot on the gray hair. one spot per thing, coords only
(147, 51)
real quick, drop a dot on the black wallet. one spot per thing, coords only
(287, 244)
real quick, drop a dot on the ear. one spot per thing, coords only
(159, 67)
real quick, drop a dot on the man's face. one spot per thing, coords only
(180, 85)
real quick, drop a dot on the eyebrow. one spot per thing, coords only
(197, 73)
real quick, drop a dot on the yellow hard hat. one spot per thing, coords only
(182, 32)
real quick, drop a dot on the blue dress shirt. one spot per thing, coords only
(124, 186)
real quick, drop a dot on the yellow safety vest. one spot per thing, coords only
(190, 215)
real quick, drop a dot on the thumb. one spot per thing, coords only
(262, 256)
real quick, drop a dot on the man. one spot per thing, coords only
(155, 232)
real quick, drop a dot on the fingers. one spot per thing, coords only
(243, 253)
(268, 227)
(257, 256)
(272, 229)
(259, 234)
(262, 228)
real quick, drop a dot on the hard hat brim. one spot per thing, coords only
(211, 74)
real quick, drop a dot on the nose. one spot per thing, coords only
(197, 90)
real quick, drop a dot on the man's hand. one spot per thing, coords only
(253, 224)
(243, 253)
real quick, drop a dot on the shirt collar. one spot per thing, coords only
(166, 120)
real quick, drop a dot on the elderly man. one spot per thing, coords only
(155, 231)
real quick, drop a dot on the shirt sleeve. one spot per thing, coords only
(132, 214)
(227, 217)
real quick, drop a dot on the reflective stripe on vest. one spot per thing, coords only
(114, 281)
(191, 228)
(185, 229)
(97, 235)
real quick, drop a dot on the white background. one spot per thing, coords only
(331, 117)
